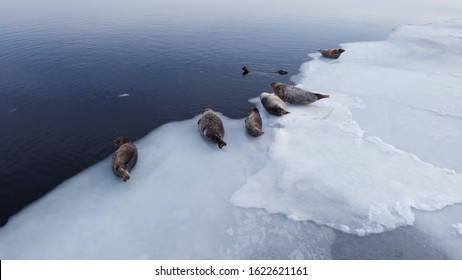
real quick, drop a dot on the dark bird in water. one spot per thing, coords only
(331, 53)
(245, 71)
(212, 128)
(124, 158)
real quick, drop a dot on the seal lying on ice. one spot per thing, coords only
(253, 122)
(273, 104)
(124, 159)
(211, 127)
(331, 53)
(295, 95)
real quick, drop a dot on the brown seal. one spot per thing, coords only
(211, 127)
(253, 122)
(331, 53)
(295, 95)
(124, 158)
(273, 104)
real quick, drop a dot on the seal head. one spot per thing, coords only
(125, 158)
(211, 126)
(295, 95)
(253, 123)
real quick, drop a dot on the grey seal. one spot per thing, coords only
(331, 53)
(253, 123)
(295, 95)
(246, 71)
(281, 72)
(211, 126)
(273, 104)
(124, 159)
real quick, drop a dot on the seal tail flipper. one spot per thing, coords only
(321, 96)
(124, 173)
(220, 142)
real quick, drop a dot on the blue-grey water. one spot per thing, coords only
(73, 77)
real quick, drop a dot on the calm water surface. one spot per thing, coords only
(72, 80)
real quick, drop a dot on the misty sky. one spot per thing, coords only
(373, 11)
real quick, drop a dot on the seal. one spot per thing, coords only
(211, 127)
(280, 72)
(331, 53)
(273, 104)
(124, 159)
(253, 123)
(295, 95)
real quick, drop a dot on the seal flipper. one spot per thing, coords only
(321, 96)
(123, 173)
(219, 141)
(258, 131)
(283, 112)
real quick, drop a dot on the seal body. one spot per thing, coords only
(253, 123)
(295, 95)
(273, 104)
(211, 126)
(282, 72)
(124, 159)
(331, 53)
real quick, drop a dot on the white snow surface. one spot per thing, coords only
(387, 141)
(458, 228)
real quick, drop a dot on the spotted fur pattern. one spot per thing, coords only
(253, 123)
(211, 126)
(295, 95)
(331, 53)
(273, 104)
(125, 158)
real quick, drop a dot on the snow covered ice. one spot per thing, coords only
(383, 152)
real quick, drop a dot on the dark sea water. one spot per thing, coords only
(75, 78)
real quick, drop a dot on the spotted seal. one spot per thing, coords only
(124, 159)
(211, 127)
(273, 104)
(253, 122)
(295, 95)
(331, 53)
